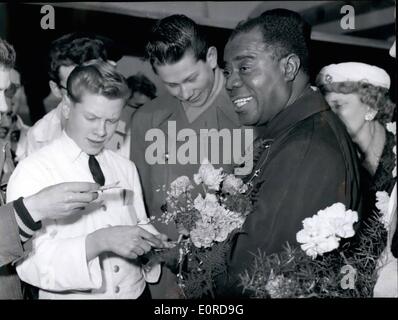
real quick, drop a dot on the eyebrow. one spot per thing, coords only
(240, 58)
(90, 114)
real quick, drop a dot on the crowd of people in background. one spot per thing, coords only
(66, 229)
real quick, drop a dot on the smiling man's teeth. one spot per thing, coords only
(241, 102)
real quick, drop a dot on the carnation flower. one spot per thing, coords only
(233, 185)
(208, 206)
(322, 232)
(221, 234)
(209, 176)
(392, 127)
(225, 222)
(179, 186)
(203, 235)
(382, 201)
(342, 221)
(317, 237)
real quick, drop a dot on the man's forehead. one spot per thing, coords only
(180, 70)
(244, 43)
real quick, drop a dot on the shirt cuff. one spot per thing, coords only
(26, 225)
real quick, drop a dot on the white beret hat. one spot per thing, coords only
(354, 72)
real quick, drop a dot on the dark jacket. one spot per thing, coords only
(310, 164)
(10, 250)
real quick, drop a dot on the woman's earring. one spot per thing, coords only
(370, 114)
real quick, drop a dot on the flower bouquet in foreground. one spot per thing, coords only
(325, 264)
(207, 211)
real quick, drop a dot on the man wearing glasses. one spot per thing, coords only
(12, 127)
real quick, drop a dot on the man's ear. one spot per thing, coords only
(66, 106)
(290, 66)
(56, 91)
(211, 57)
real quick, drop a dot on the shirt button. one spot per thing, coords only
(117, 289)
(116, 269)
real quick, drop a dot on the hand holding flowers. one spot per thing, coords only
(207, 212)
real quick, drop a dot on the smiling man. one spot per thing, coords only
(307, 161)
(92, 255)
(196, 99)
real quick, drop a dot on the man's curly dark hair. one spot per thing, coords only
(74, 49)
(141, 84)
(284, 32)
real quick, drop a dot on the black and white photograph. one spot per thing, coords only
(202, 151)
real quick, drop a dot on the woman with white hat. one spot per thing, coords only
(358, 94)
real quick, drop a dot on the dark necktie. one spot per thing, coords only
(96, 170)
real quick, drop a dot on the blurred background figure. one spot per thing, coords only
(359, 94)
(16, 98)
(142, 91)
(12, 123)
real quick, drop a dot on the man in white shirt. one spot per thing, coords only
(92, 255)
(66, 53)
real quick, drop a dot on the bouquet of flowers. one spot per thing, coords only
(208, 211)
(325, 264)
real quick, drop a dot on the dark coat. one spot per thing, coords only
(311, 164)
(10, 250)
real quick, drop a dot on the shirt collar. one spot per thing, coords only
(310, 103)
(71, 149)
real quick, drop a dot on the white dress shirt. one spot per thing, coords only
(57, 263)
